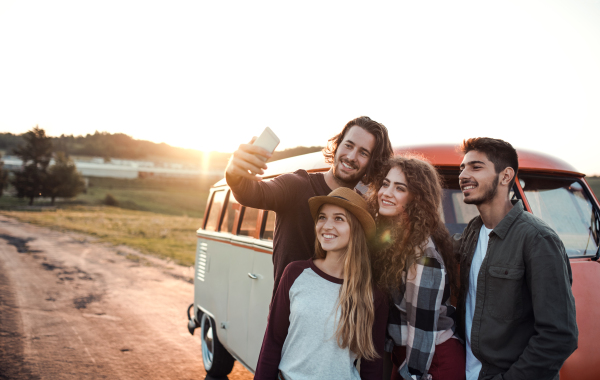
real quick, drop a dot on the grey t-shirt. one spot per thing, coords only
(300, 338)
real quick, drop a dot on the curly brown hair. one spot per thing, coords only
(402, 238)
(381, 152)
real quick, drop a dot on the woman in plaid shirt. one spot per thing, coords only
(413, 261)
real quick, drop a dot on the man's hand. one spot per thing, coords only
(247, 162)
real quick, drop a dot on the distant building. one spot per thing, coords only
(128, 169)
(12, 163)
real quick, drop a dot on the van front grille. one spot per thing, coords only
(201, 260)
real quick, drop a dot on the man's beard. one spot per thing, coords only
(348, 180)
(487, 196)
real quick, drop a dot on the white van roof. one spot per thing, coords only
(311, 162)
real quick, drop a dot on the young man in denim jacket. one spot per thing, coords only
(515, 307)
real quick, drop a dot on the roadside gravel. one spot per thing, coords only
(74, 308)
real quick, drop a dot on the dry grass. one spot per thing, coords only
(166, 236)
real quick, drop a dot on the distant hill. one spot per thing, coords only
(122, 146)
(104, 144)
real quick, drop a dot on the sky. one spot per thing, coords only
(209, 75)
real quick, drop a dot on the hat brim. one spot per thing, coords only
(363, 216)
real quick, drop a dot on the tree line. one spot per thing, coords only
(108, 145)
(36, 177)
(122, 146)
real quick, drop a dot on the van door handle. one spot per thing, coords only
(252, 276)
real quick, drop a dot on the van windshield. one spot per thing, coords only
(564, 205)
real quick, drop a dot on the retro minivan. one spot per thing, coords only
(234, 272)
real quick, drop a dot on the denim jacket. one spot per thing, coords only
(524, 323)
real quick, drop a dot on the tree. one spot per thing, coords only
(35, 154)
(63, 179)
(3, 177)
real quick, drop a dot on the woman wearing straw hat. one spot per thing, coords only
(326, 312)
(413, 260)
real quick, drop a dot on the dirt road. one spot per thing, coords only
(71, 308)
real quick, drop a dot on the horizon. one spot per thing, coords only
(281, 150)
(209, 76)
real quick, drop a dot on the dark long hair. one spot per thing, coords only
(381, 152)
(402, 238)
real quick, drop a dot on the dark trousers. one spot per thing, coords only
(448, 363)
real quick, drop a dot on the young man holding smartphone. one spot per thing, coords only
(356, 153)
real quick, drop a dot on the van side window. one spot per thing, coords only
(269, 226)
(212, 223)
(231, 211)
(249, 219)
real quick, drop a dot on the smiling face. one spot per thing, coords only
(393, 195)
(333, 228)
(478, 178)
(352, 156)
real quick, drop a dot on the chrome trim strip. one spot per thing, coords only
(237, 240)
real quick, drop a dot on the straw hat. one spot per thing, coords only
(351, 201)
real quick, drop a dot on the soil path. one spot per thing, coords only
(71, 308)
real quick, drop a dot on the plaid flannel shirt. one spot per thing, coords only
(421, 316)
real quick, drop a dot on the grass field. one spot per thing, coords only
(171, 197)
(166, 236)
(158, 217)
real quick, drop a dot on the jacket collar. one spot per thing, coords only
(502, 228)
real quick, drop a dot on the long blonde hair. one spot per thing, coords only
(354, 329)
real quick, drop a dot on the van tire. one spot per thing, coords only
(217, 361)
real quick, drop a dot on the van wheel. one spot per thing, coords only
(217, 361)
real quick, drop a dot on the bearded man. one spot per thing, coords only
(515, 306)
(357, 153)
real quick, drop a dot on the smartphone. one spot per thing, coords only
(267, 140)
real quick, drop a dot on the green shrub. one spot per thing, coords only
(109, 200)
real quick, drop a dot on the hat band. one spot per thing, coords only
(337, 196)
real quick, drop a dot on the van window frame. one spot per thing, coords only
(263, 223)
(238, 213)
(258, 221)
(207, 208)
(519, 190)
(210, 206)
